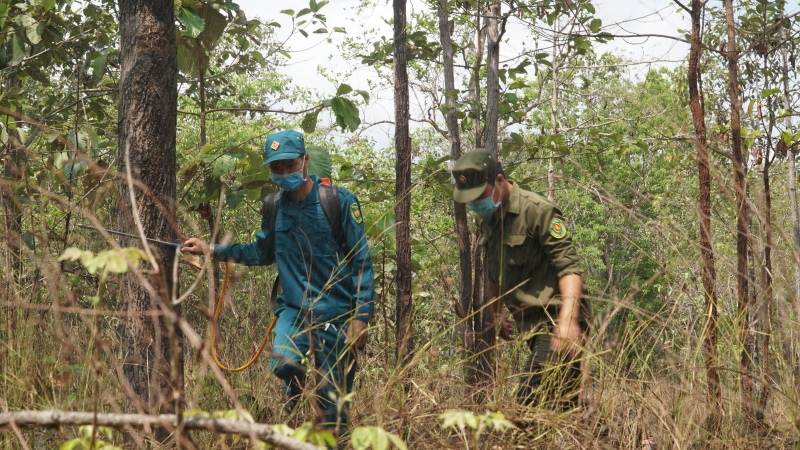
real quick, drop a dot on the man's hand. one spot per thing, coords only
(506, 326)
(194, 246)
(566, 338)
(357, 334)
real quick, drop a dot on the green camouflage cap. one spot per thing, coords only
(471, 174)
(287, 144)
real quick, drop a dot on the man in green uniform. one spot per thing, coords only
(533, 269)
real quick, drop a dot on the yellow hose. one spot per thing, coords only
(216, 322)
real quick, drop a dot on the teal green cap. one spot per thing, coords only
(471, 174)
(286, 144)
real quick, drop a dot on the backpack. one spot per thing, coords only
(331, 206)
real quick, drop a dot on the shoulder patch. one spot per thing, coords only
(355, 213)
(557, 228)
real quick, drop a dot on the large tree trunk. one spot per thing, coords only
(454, 136)
(402, 210)
(742, 229)
(706, 249)
(147, 127)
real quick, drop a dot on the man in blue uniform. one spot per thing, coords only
(326, 300)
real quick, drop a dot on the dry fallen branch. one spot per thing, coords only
(55, 418)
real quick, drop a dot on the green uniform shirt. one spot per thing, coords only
(527, 251)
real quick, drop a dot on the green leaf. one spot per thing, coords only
(339, 30)
(72, 444)
(364, 94)
(194, 23)
(361, 438)
(29, 240)
(767, 92)
(343, 89)
(224, 165)
(234, 198)
(75, 167)
(32, 29)
(215, 23)
(320, 163)
(381, 439)
(99, 63)
(321, 31)
(309, 123)
(17, 51)
(397, 441)
(288, 12)
(346, 113)
(303, 12)
(303, 32)
(595, 25)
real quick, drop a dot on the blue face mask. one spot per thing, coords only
(290, 181)
(484, 207)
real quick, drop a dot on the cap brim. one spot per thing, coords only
(468, 195)
(281, 157)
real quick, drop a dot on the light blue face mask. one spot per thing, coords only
(290, 181)
(484, 207)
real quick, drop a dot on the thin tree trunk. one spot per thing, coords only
(742, 232)
(551, 171)
(706, 249)
(475, 79)
(492, 76)
(147, 128)
(13, 162)
(454, 136)
(766, 315)
(792, 155)
(402, 139)
(485, 332)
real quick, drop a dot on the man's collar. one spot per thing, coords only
(512, 204)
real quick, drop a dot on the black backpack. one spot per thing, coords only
(331, 206)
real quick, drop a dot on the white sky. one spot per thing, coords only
(618, 16)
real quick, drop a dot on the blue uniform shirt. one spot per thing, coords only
(317, 277)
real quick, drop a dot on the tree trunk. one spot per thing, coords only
(551, 171)
(742, 231)
(485, 333)
(766, 312)
(454, 136)
(475, 79)
(13, 169)
(787, 105)
(402, 210)
(706, 249)
(147, 128)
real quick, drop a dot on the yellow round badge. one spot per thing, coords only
(462, 179)
(557, 228)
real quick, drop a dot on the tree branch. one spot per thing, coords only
(54, 418)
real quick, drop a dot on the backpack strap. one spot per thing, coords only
(269, 211)
(331, 206)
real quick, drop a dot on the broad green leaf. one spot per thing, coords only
(397, 441)
(767, 92)
(17, 50)
(344, 89)
(29, 240)
(320, 31)
(72, 444)
(194, 24)
(364, 94)
(319, 162)
(595, 25)
(234, 198)
(288, 12)
(346, 113)
(208, 148)
(381, 439)
(215, 23)
(188, 59)
(303, 12)
(361, 438)
(309, 123)
(74, 167)
(224, 165)
(339, 30)
(99, 63)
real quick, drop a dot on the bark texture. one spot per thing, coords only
(742, 219)
(454, 137)
(402, 209)
(147, 128)
(706, 249)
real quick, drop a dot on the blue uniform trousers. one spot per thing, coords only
(334, 362)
